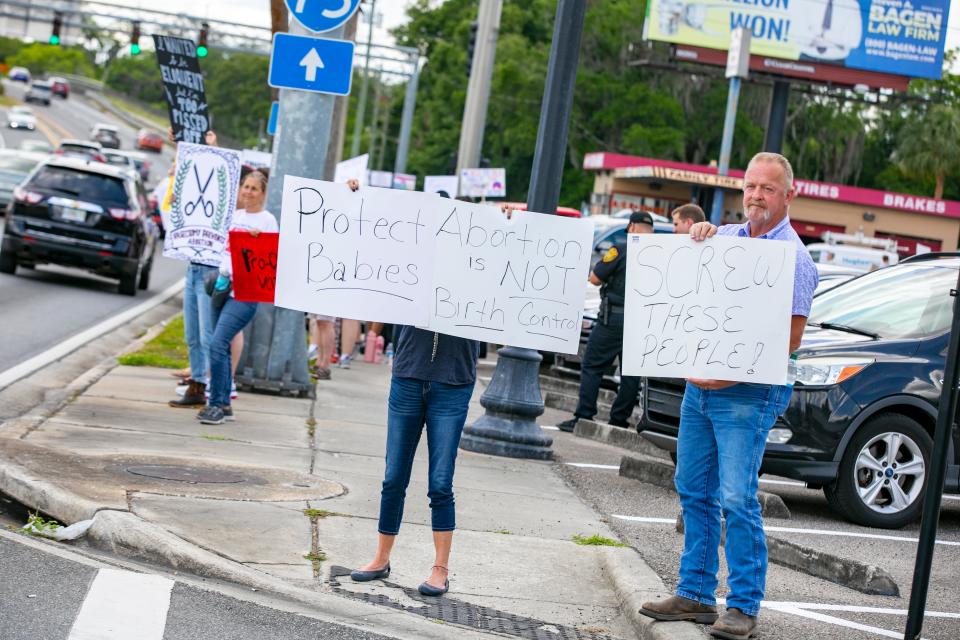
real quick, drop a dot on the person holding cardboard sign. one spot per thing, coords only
(723, 433)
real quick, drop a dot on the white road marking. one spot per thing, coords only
(123, 605)
(850, 608)
(70, 345)
(815, 532)
(589, 465)
(840, 622)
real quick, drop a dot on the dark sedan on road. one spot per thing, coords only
(84, 214)
(869, 374)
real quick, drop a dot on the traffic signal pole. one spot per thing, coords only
(275, 354)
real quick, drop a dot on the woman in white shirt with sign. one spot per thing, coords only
(233, 316)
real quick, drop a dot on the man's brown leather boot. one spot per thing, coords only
(680, 608)
(194, 398)
(734, 625)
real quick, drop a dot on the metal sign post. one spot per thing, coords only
(738, 66)
(933, 494)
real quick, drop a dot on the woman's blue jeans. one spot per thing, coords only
(722, 437)
(228, 321)
(443, 409)
(197, 321)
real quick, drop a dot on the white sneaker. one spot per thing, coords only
(181, 389)
(233, 391)
(312, 351)
(344, 362)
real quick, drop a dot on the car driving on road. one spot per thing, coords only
(21, 117)
(40, 91)
(14, 167)
(107, 135)
(84, 214)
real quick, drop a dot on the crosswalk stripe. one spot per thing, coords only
(123, 605)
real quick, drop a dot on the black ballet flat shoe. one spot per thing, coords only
(366, 576)
(427, 589)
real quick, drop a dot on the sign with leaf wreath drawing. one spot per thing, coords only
(205, 184)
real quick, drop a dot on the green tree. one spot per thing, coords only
(45, 59)
(930, 146)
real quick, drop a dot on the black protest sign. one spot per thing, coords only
(183, 86)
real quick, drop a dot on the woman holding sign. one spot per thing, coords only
(233, 316)
(432, 382)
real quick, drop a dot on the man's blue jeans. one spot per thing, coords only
(722, 437)
(197, 321)
(443, 408)
(228, 321)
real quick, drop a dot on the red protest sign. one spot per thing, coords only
(254, 265)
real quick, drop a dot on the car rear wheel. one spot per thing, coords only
(144, 283)
(883, 473)
(128, 282)
(8, 263)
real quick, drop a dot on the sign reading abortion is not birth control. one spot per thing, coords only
(419, 259)
(205, 185)
(718, 309)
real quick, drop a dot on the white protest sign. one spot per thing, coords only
(448, 184)
(366, 255)
(204, 195)
(405, 181)
(381, 179)
(519, 281)
(483, 183)
(718, 309)
(354, 168)
(257, 159)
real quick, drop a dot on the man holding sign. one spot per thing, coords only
(723, 432)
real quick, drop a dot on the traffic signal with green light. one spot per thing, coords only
(135, 40)
(202, 41)
(57, 24)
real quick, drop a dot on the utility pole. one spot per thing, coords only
(406, 120)
(375, 121)
(362, 104)
(513, 400)
(275, 355)
(738, 66)
(478, 88)
(340, 108)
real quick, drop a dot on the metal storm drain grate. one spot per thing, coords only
(189, 475)
(465, 614)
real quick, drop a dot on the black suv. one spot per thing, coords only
(78, 213)
(861, 418)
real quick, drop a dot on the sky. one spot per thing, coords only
(394, 13)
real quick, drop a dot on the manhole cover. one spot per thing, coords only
(190, 475)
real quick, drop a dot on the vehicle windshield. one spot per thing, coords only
(40, 86)
(910, 301)
(22, 110)
(88, 186)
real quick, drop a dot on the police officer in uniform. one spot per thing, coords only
(606, 339)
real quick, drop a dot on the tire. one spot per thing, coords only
(869, 485)
(8, 263)
(128, 283)
(144, 282)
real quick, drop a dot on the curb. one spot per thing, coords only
(635, 583)
(659, 472)
(618, 437)
(862, 577)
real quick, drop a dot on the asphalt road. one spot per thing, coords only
(644, 515)
(40, 308)
(51, 593)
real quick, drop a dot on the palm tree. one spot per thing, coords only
(930, 146)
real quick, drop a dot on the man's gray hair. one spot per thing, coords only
(767, 156)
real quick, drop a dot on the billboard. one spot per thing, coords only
(903, 37)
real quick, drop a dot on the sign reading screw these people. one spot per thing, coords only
(366, 255)
(718, 309)
(183, 87)
(203, 198)
(519, 281)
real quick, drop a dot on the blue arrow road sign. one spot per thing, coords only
(311, 64)
(274, 114)
(322, 15)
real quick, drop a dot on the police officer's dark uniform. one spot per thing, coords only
(606, 339)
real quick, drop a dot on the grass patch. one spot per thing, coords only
(214, 438)
(7, 101)
(316, 557)
(168, 350)
(596, 541)
(505, 532)
(318, 513)
(131, 107)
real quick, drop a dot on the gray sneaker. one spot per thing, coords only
(212, 415)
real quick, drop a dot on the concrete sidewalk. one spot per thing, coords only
(286, 498)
